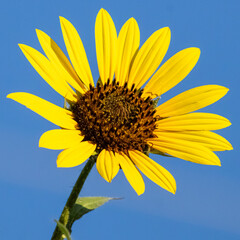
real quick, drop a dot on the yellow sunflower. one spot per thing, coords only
(118, 119)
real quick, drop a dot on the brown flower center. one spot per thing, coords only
(115, 117)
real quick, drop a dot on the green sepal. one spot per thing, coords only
(64, 230)
(68, 104)
(155, 151)
(155, 102)
(100, 82)
(147, 151)
(65, 104)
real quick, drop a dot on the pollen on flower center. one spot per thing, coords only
(115, 117)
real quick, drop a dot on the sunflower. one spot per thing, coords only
(117, 119)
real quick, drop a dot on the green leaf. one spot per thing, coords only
(84, 205)
(155, 151)
(64, 230)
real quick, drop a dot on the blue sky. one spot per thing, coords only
(34, 190)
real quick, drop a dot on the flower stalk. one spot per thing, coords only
(57, 234)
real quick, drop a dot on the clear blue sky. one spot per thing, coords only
(34, 190)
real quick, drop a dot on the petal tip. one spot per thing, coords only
(60, 164)
(24, 48)
(40, 143)
(194, 50)
(132, 20)
(217, 162)
(9, 95)
(62, 19)
(64, 22)
(230, 147)
(140, 192)
(21, 46)
(173, 191)
(223, 87)
(197, 51)
(168, 34)
(167, 30)
(12, 95)
(172, 188)
(229, 123)
(102, 10)
(38, 31)
(41, 35)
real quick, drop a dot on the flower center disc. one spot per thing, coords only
(115, 117)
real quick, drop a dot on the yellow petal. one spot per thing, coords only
(76, 155)
(60, 61)
(128, 44)
(193, 121)
(149, 57)
(133, 176)
(191, 100)
(107, 165)
(106, 45)
(190, 151)
(172, 72)
(60, 139)
(154, 171)
(76, 51)
(46, 70)
(208, 139)
(53, 113)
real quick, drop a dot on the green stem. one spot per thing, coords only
(57, 234)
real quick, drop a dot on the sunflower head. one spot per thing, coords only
(115, 117)
(118, 119)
